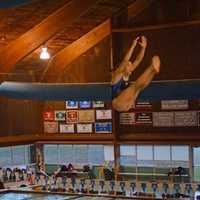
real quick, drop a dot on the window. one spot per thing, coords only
(126, 150)
(150, 161)
(145, 155)
(127, 155)
(65, 154)
(51, 154)
(162, 156)
(162, 152)
(108, 153)
(5, 156)
(196, 163)
(162, 161)
(78, 154)
(15, 155)
(196, 153)
(145, 152)
(18, 155)
(95, 154)
(180, 156)
(180, 153)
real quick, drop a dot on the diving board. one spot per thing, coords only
(156, 91)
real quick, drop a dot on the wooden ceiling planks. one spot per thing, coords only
(103, 10)
(137, 7)
(63, 58)
(18, 20)
(38, 35)
(158, 26)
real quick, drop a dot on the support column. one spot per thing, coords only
(40, 157)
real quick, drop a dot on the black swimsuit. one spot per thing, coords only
(119, 86)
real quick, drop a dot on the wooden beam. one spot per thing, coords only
(38, 35)
(3, 14)
(160, 138)
(157, 27)
(76, 138)
(17, 139)
(137, 7)
(58, 138)
(66, 56)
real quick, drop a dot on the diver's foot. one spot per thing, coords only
(156, 63)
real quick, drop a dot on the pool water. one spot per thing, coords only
(37, 196)
(31, 196)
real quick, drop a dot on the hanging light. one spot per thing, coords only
(44, 54)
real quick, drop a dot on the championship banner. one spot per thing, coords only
(143, 105)
(60, 115)
(143, 118)
(66, 128)
(104, 127)
(98, 104)
(84, 128)
(71, 116)
(71, 104)
(104, 114)
(86, 116)
(50, 127)
(127, 118)
(199, 118)
(163, 119)
(186, 118)
(85, 104)
(174, 104)
(48, 116)
(198, 102)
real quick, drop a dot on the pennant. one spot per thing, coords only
(48, 116)
(104, 127)
(86, 116)
(143, 118)
(98, 104)
(127, 118)
(199, 118)
(186, 118)
(71, 104)
(104, 114)
(85, 104)
(84, 128)
(66, 128)
(174, 104)
(60, 115)
(71, 116)
(163, 119)
(50, 127)
(143, 105)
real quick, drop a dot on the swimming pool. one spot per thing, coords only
(10, 195)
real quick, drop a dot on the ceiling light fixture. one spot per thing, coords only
(44, 55)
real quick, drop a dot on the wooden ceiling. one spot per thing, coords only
(65, 24)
